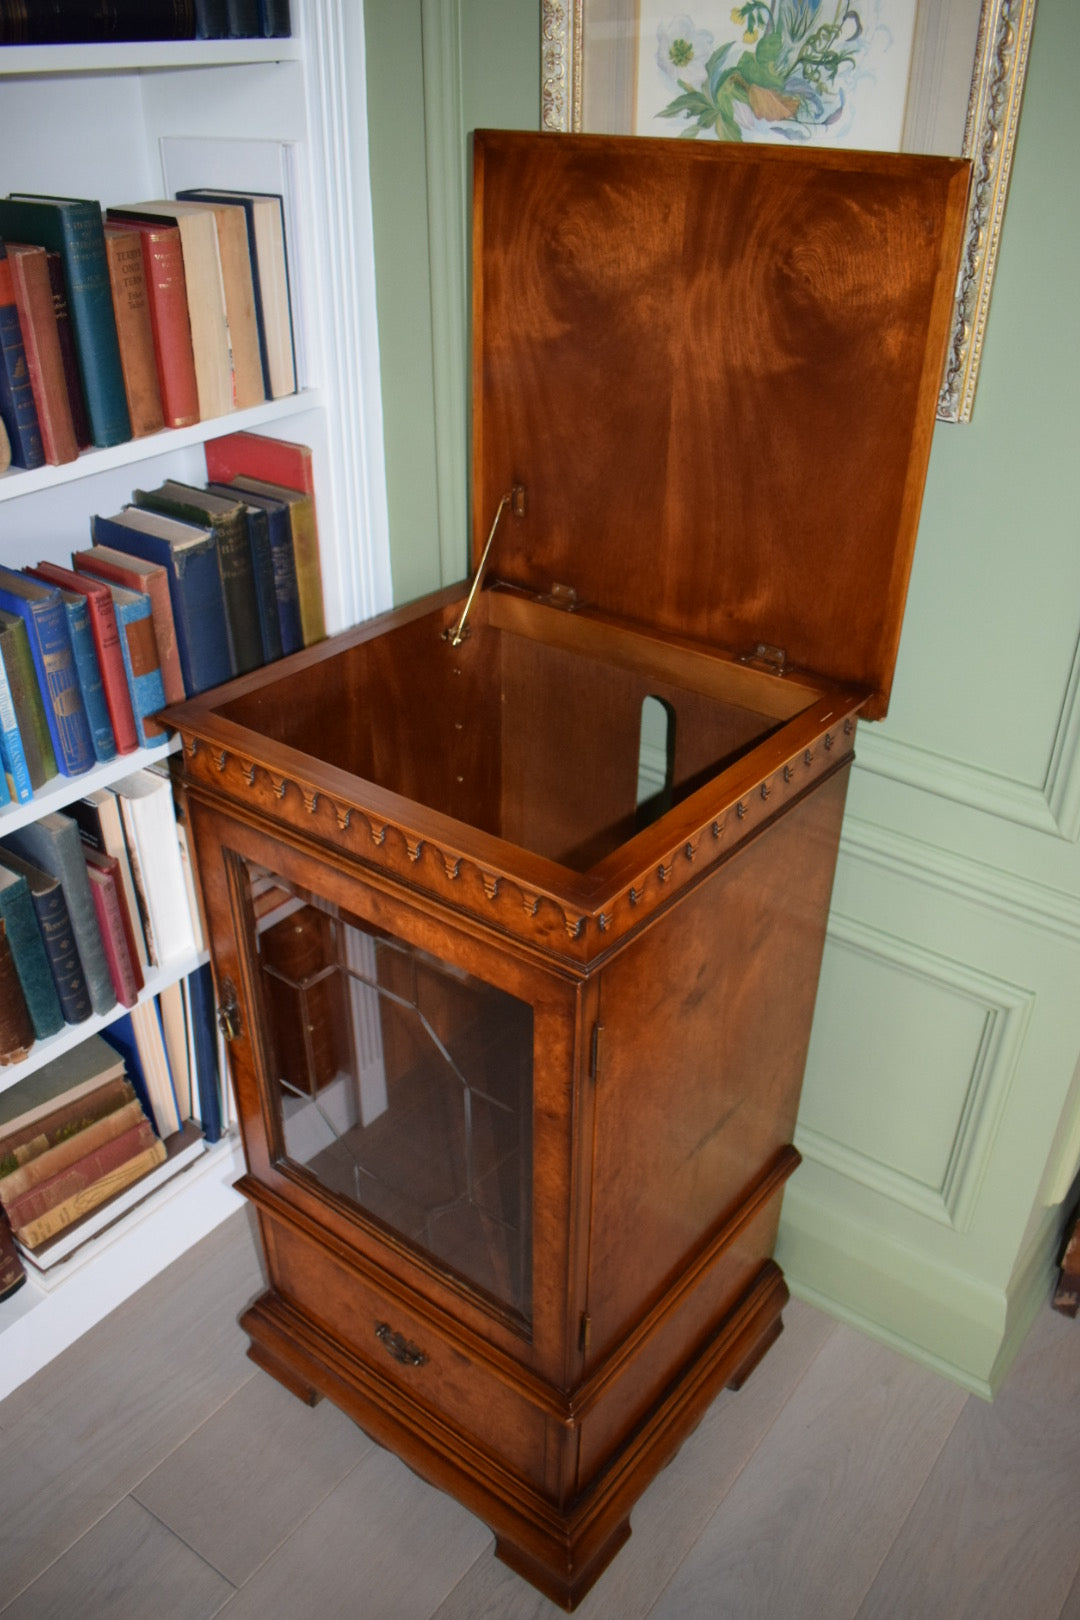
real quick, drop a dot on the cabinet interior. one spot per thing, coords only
(531, 729)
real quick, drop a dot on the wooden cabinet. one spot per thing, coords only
(518, 1056)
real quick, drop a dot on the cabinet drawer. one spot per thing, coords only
(486, 1401)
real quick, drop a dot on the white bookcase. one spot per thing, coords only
(106, 122)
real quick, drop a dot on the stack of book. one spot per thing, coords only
(159, 314)
(179, 591)
(83, 1138)
(90, 901)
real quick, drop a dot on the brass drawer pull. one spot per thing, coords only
(410, 1355)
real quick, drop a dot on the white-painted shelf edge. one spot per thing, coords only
(35, 1325)
(142, 56)
(17, 482)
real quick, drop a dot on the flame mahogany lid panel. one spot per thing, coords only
(715, 369)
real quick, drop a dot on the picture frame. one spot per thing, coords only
(963, 98)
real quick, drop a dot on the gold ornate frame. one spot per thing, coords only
(993, 113)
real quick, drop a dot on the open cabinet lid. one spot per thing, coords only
(715, 370)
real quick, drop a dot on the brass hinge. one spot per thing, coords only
(764, 656)
(228, 1013)
(585, 1332)
(596, 1051)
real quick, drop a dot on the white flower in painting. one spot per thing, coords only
(683, 50)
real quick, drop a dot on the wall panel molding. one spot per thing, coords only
(1053, 806)
(1005, 1010)
(1018, 900)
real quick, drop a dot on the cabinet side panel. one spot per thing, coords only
(706, 1024)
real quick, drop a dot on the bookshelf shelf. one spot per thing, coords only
(157, 979)
(62, 790)
(16, 482)
(141, 56)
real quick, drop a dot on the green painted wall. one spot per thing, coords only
(938, 1128)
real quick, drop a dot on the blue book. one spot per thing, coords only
(188, 553)
(282, 561)
(15, 773)
(138, 648)
(17, 409)
(71, 226)
(262, 566)
(89, 673)
(120, 1035)
(42, 611)
(200, 999)
(28, 950)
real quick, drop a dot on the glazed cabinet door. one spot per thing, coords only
(401, 1081)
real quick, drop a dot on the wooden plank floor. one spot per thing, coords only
(152, 1471)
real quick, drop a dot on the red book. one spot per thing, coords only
(136, 574)
(114, 923)
(66, 333)
(77, 1177)
(103, 628)
(254, 455)
(166, 290)
(44, 360)
(134, 329)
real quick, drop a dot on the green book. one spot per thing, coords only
(226, 517)
(26, 696)
(28, 951)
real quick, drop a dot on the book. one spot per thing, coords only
(58, 937)
(44, 359)
(282, 563)
(42, 611)
(274, 19)
(29, 954)
(66, 1118)
(134, 330)
(138, 1035)
(262, 465)
(12, 1270)
(264, 219)
(81, 1137)
(170, 324)
(73, 1075)
(14, 771)
(305, 539)
(106, 564)
(65, 333)
(117, 931)
(88, 671)
(27, 699)
(202, 1007)
(205, 296)
(16, 1026)
(61, 1190)
(111, 1183)
(239, 291)
(17, 409)
(103, 628)
(146, 808)
(53, 843)
(101, 827)
(172, 1016)
(72, 227)
(188, 553)
(142, 666)
(180, 1151)
(224, 516)
(257, 519)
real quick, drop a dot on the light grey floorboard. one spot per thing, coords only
(805, 1527)
(85, 1430)
(244, 1480)
(382, 1546)
(995, 1534)
(677, 1505)
(128, 1567)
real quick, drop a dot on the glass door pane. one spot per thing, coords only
(403, 1084)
